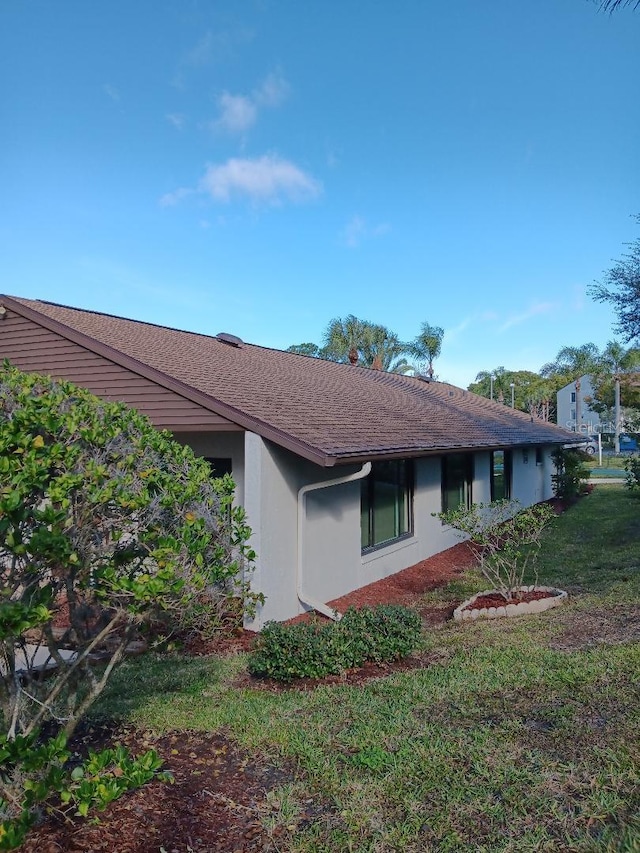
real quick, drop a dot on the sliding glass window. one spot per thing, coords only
(387, 503)
(457, 479)
(501, 475)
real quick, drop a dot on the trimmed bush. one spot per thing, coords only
(314, 649)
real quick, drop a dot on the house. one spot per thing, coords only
(573, 404)
(340, 468)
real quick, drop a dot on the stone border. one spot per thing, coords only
(556, 597)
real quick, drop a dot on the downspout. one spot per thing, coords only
(302, 493)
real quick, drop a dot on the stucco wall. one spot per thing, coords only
(225, 445)
(268, 480)
(590, 421)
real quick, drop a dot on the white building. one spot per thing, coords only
(572, 402)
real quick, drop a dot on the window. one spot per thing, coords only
(573, 396)
(457, 477)
(501, 475)
(539, 456)
(219, 466)
(386, 503)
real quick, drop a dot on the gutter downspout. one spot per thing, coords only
(302, 493)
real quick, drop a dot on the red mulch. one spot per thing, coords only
(219, 797)
(494, 599)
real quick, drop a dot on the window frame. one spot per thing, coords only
(445, 477)
(507, 457)
(368, 495)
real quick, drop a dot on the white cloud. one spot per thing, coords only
(176, 119)
(534, 311)
(273, 90)
(268, 179)
(111, 92)
(451, 334)
(202, 52)
(357, 230)
(237, 113)
(169, 199)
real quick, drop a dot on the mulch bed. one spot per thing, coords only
(219, 797)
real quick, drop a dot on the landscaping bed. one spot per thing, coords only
(403, 756)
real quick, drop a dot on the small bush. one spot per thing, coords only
(52, 784)
(571, 476)
(632, 467)
(312, 650)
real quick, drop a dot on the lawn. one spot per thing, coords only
(514, 735)
(612, 466)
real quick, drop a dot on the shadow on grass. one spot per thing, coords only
(151, 675)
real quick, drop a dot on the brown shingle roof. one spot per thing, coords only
(324, 411)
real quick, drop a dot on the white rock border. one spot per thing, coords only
(555, 598)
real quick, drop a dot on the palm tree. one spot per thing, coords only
(573, 362)
(612, 5)
(344, 337)
(427, 345)
(371, 344)
(616, 362)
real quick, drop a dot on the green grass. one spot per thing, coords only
(522, 736)
(612, 466)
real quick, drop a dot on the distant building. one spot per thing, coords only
(571, 400)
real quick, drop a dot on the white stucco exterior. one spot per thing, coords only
(268, 480)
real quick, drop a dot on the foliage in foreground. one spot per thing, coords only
(632, 480)
(106, 526)
(313, 649)
(505, 537)
(512, 735)
(570, 477)
(49, 782)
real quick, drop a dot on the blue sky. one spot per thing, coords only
(262, 167)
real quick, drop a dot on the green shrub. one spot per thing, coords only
(570, 478)
(49, 783)
(632, 467)
(107, 527)
(312, 650)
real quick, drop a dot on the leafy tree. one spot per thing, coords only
(312, 350)
(373, 344)
(532, 393)
(426, 346)
(106, 526)
(620, 367)
(109, 521)
(570, 477)
(616, 382)
(343, 338)
(383, 350)
(621, 288)
(571, 363)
